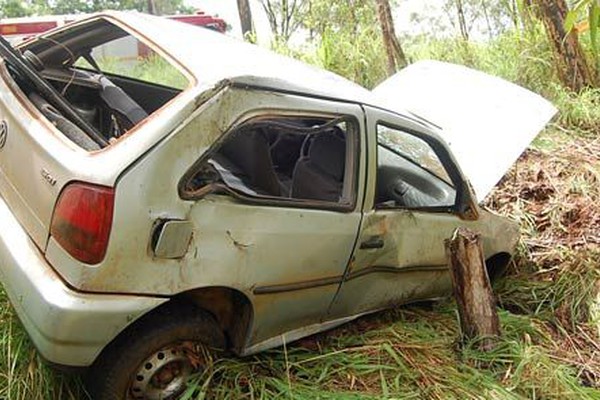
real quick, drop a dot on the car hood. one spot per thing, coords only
(487, 121)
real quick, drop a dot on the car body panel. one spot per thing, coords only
(297, 263)
(68, 328)
(487, 121)
(260, 247)
(411, 265)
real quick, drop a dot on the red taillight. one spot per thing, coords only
(82, 221)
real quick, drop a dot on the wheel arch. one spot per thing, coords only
(231, 308)
(497, 264)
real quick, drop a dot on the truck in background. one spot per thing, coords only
(18, 29)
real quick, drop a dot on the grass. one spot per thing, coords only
(549, 348)
(548, 303)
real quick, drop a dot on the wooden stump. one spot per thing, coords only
(472, 288)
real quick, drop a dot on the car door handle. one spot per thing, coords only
(375, 242)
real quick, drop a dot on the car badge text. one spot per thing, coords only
(47, 177)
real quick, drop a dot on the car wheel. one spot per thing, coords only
(154, 359)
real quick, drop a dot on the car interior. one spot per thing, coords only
(77, 67)
(286, 158)
(409, 172)
(306, 159)
(403, 183)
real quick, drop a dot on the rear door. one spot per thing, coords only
(277, 206)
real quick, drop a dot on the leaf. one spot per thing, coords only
(570, 20)
(575, 13)
(594, 16)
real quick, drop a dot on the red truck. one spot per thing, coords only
(17, 29)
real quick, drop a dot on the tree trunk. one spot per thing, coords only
(570, 61)
(472, 288)
(151, 7)
(245, 17)
(395, 54)
(462, 22)
(488, 23)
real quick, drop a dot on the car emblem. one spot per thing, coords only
(48, 177)
(3, 133)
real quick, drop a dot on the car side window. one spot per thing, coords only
(409, 172)
(284, 159)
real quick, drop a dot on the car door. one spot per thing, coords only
(283, 238)
(411, 206)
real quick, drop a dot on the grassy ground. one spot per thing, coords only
(548, 302)
(550, 347)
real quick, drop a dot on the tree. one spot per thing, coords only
(285, 16)
(488, 16)
(571, 64)
(151, 7)
(14, 8)
(590, 10)
(347, 34)
(245, 18)
(395, 55)
(462, 22)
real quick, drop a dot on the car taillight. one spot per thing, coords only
(82, 221)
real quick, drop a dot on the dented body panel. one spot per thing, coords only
(297, 248)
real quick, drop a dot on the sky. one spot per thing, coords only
(227, 9)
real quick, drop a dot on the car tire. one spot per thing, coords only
(153, 358)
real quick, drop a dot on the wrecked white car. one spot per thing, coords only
(198, 191)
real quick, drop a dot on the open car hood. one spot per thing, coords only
(487, 121)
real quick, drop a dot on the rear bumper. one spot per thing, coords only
(67, 327)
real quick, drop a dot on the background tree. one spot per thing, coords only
(14, 8)
(570, 61)
(395, 54)
(585, 18)
(151, 7)
(285, 16)
(245, 18)
(348, 39)
(491, 17)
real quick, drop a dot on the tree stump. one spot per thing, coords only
(472, 288)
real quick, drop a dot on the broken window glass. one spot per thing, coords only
(308, 159)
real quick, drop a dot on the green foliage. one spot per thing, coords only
(590, 10)
(524, 58)
(13, 8)
(285, 16)
(345, 37)
(153, 69)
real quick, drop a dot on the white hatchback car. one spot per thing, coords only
(164, 188)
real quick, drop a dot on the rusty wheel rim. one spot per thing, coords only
(164, 374)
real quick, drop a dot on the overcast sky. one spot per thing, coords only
(227, 9)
